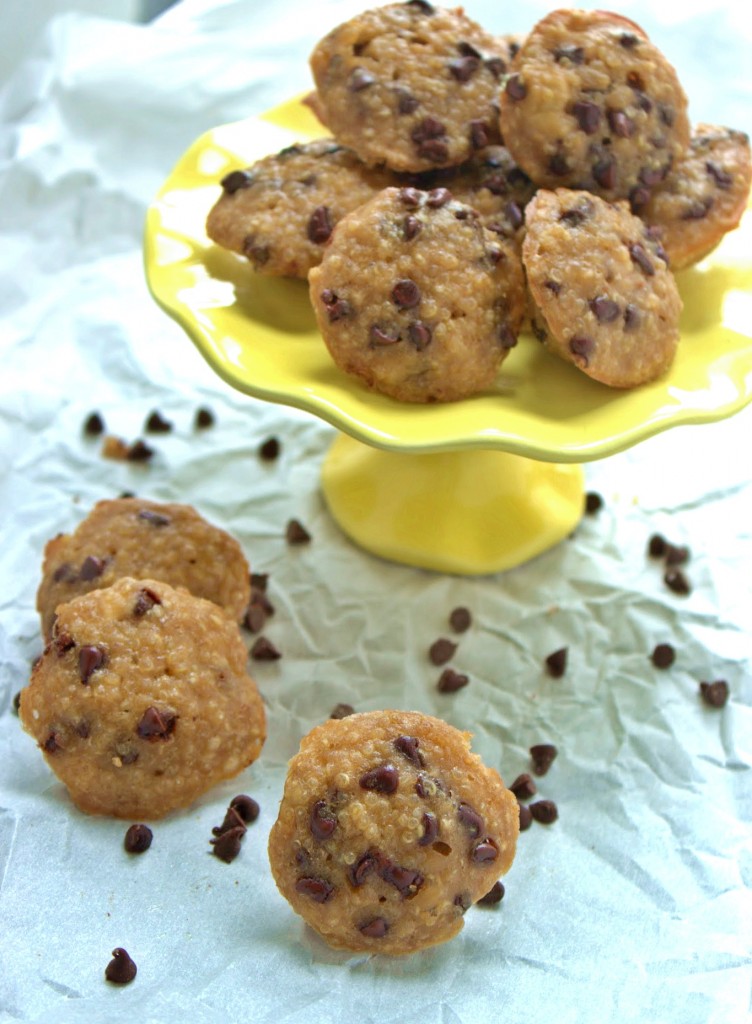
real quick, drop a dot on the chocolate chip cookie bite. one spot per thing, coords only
(592, 104)
(604, 298)
(280, 212)
(416, 298)
(389, 829)
(141, 701)
(703, 197)
(136, 537)
(411, 85)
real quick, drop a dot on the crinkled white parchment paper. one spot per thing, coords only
(635, 905)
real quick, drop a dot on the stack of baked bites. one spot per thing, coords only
(472, 178)
(141, 700)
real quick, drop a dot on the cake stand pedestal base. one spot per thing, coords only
(468, 512)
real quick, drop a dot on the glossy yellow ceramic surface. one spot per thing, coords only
(469, 512)
(259, 334)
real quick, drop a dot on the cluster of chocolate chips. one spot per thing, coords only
(443, 650)
(524, 787)
(673, 557)
(138, 450)
(229, 835)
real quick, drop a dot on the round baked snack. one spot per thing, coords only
(411, 85)
(704, 196)
(606, 300)
(280, 212)
(389, 829)
(141, 701)
(135, 537)
(592, 104)
(416, 298)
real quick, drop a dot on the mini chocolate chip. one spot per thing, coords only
(514, 215)
(342, 711)
(496, 65)
(463, 901)
(422, 6)
(479, 136)
(676, 554)
(406, 880)
(462, 69)
(296, 533)
(52, 744)
(153, 518)
(526, 818)
(582, 349)
(231, 820)
(411, 197)
(468, 50)
(406, 102)
(593, 503)
(604, 172)
(320, 225)
(90, 660)
(438, 197)
(16, 704)
(384, 778)
(620, 124)
(257, 252)
(260, 581)
(336, 308)
(269, 449)
(605, 309)
(698, 210)
(408, 747)
(411, 227)
(524, 786)
(470, 818)
(378, 338)
(203, 419)
(494, 896)
(441, 651)
(576, 214)
(515, 88)
(227, 846)
(451, 681)
(657, 546)
(376, 928)
(138, 839)
(322, 821)
(139, 451)
(427, 129)
(91, 568)
(643, 101)
(628, 40)
(569, 52)
(558, 165)
(543, 756)
(255, 618)
(544, 811)
(62, 642)
(587, 115)
(82, 729)
(420, 335)
(676, 581)
(94, 425)
(264, 650)
(460, 619)
(632, 316)
(157, 424)
(430, 829)
(360, 79)
(663, 656)
(507, 337)
(146, 599)
(236, 180)
(715, 694)
(639, 197)
(156, 725)
(363, 867)
(483, 851)
(553, 286)
(721, 177)
(65, 573)
(246, 807)
(121, 970)
(556, 663)
(316, 889)
(406, 294)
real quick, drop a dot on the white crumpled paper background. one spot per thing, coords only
(635, 905)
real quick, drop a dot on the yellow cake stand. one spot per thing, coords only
(471, 487)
